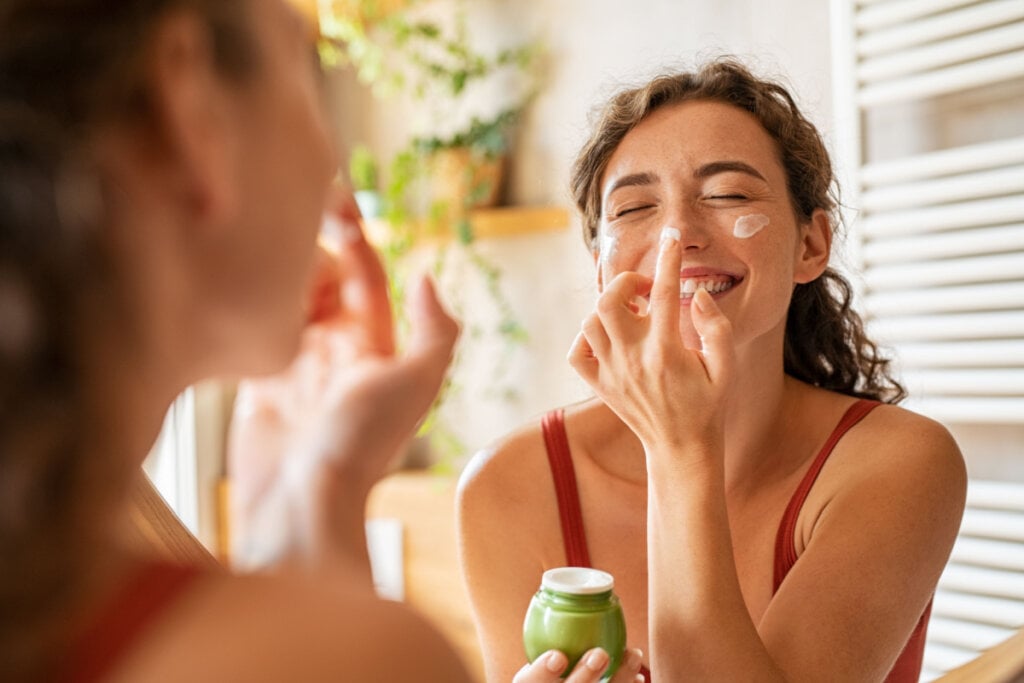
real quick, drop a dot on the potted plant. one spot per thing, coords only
(469, 100)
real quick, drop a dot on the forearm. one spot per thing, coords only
(700, 628)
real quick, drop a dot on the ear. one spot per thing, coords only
(192, 117)
(596, 253)
(814, 248)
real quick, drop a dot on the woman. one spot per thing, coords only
(744, 473)
(164, 167)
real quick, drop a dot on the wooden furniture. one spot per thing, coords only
(425, 505)
(1003, 663)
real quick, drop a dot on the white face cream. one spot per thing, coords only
(609, 243)
(748, 226)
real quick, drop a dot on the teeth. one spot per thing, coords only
(687, 288)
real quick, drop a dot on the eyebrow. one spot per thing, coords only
(631, 180)
(716, 167)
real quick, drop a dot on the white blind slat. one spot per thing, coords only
(972, 354)
(893, 12)
(988, 325)
(983, 581)
(944, 245)
(981, 609)
(940, 27)
(947, 272)
(943, 657)
(995, 183)
(983, 212)
(999, 495)
(974, 382)
(990, 297)
(975, 410)
(944, 162)
(1006, 525)
(945, 80)
(945, 53)
(989, 553)
(968, 636)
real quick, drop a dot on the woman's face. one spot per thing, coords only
(710, 170)
(286, 163)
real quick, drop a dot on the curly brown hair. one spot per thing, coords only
(825, 342)
(67, 68)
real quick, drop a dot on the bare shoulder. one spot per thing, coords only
(893, 440)
(902, 463)
(292, 627)
(503, 475)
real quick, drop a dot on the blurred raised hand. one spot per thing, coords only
(306, 446)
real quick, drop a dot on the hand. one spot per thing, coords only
(549, 666)
(637, 362)
(306, 446)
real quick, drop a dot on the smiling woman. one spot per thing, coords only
(766, 510)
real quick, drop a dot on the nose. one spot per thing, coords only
(694, 232)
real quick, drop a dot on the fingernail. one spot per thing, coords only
(700, 300)
(634, 658)
(555, 662)
(597, 660)
(670, 233)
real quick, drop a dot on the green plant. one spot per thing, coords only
(362, 169)
(434, 62)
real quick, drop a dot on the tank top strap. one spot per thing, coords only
(785, 547)
(556, 442)
(141, 600)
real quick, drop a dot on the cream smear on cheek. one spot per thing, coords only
(609, 244)
(748, 226)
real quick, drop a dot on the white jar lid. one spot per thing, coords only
(577, 580)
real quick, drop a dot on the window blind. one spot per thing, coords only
(938, 234)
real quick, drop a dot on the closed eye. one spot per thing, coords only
(728, 196)
(631, 209)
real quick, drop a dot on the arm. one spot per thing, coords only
(873, 556)
(500, 555)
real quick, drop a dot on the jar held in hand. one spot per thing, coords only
(575, 610)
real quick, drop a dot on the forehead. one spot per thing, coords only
(686, 135)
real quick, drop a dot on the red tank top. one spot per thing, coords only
(123, 620)
(908, 666)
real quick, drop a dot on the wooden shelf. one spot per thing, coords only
(505, 221)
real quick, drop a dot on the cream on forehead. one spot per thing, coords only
(750, 225)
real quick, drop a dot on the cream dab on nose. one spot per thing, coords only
(748, 226)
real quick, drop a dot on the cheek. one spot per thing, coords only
(626, 253)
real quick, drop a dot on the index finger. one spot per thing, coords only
(665, 290)
(362, 282)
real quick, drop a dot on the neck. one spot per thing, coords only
(764, 410)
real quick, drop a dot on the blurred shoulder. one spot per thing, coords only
(292, 627)
(506, 470)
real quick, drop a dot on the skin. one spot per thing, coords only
(696, 440)
(212, 230)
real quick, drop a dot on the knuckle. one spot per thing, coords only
(607, 304)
